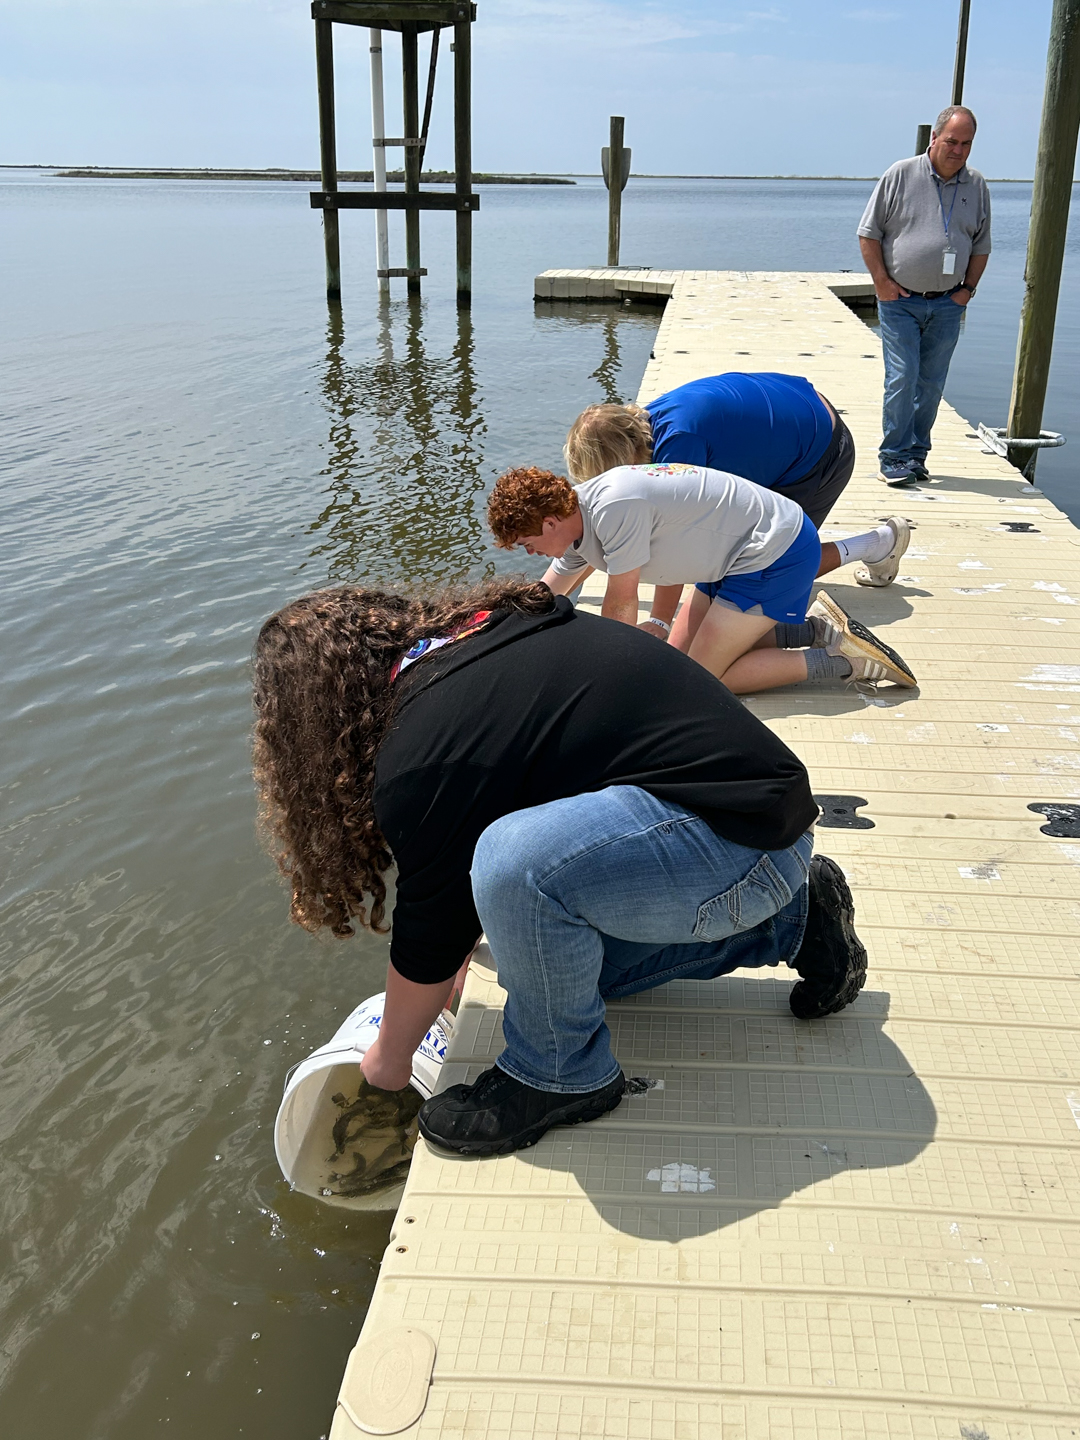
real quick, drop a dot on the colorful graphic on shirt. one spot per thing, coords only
(669, 469)
(427, 645)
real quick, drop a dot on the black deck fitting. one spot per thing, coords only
(838, 813)
(1064, 820)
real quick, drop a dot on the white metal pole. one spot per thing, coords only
(378, 133)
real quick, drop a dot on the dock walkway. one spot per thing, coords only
(859, 1228)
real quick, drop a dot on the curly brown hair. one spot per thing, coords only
(523, 499)
(604, 436)
(323, 700)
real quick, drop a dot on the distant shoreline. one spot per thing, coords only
(310, 177)
(431, 177)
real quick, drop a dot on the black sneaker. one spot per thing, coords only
(832, 958)
(497, 1114)
(920, 470)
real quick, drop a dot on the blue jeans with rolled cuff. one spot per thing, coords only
(602, 895)
(918, 337)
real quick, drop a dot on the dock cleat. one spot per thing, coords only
(831, 958)
(497, 1114)
(868, 655)
(880, 573)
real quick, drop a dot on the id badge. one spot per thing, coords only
(948, 262)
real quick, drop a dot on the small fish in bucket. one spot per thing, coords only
(337, 1137)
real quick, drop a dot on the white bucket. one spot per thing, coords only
(303, 1130)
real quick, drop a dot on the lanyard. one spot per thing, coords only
(941, 202)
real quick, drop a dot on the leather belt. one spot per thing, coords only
(932, 294)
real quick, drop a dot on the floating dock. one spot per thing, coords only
(859, 1228)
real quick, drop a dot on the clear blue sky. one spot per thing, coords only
(707, 87)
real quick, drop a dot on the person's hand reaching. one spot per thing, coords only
(384, 1074)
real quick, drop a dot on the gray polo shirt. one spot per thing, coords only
(679, 524)
(905, 214)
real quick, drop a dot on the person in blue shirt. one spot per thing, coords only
(773, 429)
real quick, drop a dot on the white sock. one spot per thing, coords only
(872, 546)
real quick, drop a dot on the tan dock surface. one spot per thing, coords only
(859, 1228)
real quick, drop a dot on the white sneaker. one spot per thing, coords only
(884, 572)
(869, 657)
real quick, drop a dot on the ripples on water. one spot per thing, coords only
(188, 442)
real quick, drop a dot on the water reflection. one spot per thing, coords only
(607, 372)
(615, 369)
(405, 454)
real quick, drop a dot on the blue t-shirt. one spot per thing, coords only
(772, 429)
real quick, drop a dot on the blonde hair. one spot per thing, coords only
(604, 436)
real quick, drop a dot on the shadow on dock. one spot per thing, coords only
(769, 1108)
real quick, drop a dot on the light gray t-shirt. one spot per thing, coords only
(905, 213)
(679, 524)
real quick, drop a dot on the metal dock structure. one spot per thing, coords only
(859, 1228)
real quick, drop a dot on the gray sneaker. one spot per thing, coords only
(903, 473)
(867, 654)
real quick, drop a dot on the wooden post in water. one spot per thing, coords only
(1050, 199)
(409, 18)
(378, 163)
(614, 177)
(411, 107)
(922, 139)
(324, 67)
(961, 54)
(463, 155)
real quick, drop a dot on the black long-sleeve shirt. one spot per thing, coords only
(538, 708)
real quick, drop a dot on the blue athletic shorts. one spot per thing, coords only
(782, 590)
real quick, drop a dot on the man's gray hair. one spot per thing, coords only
(948, 113)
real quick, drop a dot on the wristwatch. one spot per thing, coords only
(969, 288)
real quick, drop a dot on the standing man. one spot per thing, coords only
(925, 238)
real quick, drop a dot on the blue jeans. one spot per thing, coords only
(601, 895)
(918, 337)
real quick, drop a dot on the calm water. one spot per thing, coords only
(187, 442)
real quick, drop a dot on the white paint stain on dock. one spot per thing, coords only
(678, 1176)
(1054, 674)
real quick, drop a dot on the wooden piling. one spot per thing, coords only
(411, 109)
(324, 68)
(463, 155)
(408, 17)
(614, 179)
(1051, 195)
(378, 164)
(922, 139)
(961, 54)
